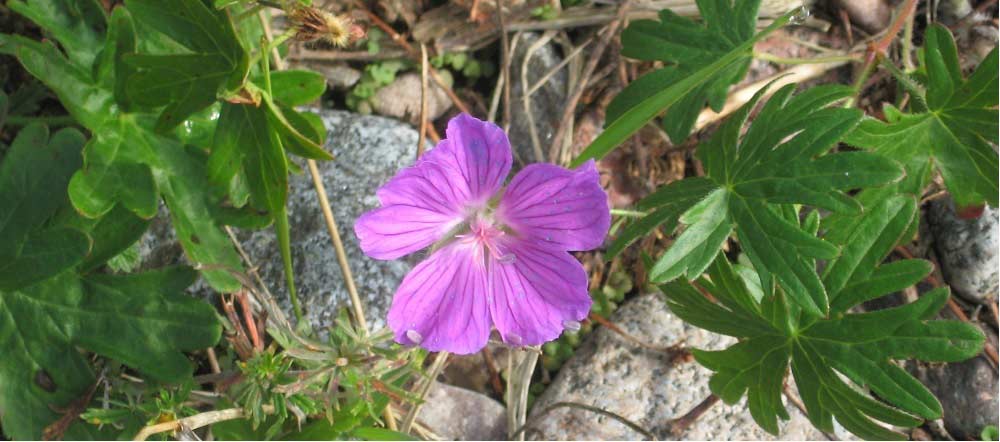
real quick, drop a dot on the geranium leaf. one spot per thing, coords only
(42, 371)
(954, 133)
(185, 83)
(296, 87)
(834, 360)
(781, 160)
(641, 112)
(685, 47)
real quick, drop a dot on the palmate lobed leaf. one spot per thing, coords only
(953, 134)
(781, 160)
(823, 352)
(185, 83)
(144, 320)
(49, 306)
(686, 46)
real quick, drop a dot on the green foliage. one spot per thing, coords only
(131, 100)
(685, 47)
(642, 109)
(376, 76)
(184, 83)
(950, 126)
(752, 182)
(50, 304)
(990, 432)
(470, 67)
(825, 353)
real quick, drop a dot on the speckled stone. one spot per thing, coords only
(966, 249)
(642, 385)
(368, 151)
(458, 414)
(967, 391)
(547, 102)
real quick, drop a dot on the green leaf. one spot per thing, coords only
(296, 87)
(642, 112)
(685, 47)
(835, 361)
(868, 242)
(115, 170)
(144, 320)
(781, 160)
(954, 133)
(33, 179)
(299, 133)
(78, 92)
(376, 433)
(244, 138)
(707, 228)
(185, 83)
(78, 25)
(670, 202)
(125, 162)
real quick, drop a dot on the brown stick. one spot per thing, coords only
(414, 54)
(422, 139)
(678, 352)
(491, 367)
(677, 427)
(569, 110)
(505, 60)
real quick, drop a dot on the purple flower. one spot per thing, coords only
(500, 257)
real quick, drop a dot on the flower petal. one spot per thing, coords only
(442, 304)
(539, 292)
(481, 151)
(565, 209)
(423, 202)
(394, 231)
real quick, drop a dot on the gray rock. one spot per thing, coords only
(645, 387)
(368, 150)
(339, 76)
(455, 413)
(401, 99)
(547, 102)
(966, 249)
(967, 391)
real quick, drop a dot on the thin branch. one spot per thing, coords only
(505, 60)
(422, 139)
(677, 427)
(570, 109)
(195, 422)
(414, 54)
(676, 351)
(628, 423)
(435, 370)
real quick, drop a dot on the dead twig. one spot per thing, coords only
(195, 422)
(413, 53)
(505, 62)
(677, 352)
(558, 141)
(676, 427)
(422, 139)
(425, 387)
(628, 423)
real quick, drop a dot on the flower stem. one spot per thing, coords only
(816, 60)
(628, 213)
(435, 370)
